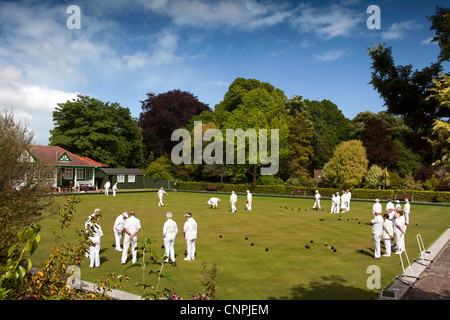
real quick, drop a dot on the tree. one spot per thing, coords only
(407, 160)
(330, 128)
(161, 168)
(300, 149)
(374, 177)
(440, 22)
(440, 133)
(238, 90)
(403, 91)
(348, 166)
(377, 141)
(24, 184)
(162, 114)
(101, 131)
(259, 109)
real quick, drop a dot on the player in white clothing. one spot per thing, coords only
(119, 224)
(160, 195)
(190, 234)
(132, 227)
(170, 230)
(233, 200)
(317, 200)
(248, 203)
(214, 202)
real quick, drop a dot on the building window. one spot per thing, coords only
(131, 178)
(79, 174)
(120, 178)
(89, 174)
(68, 173)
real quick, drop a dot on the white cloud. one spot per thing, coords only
(32, 103)
(400, 30)
(328, 22)
(330, 55)
(246, 14)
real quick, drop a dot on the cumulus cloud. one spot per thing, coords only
(400, 30)
(328, 22)
(330, 55)
(29, 102)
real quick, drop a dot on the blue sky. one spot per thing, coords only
(125, 49)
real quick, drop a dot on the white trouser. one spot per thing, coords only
(387, 246)
(376, 241)
(169, 242)
(160, 204)
(118, 237)
(316, 203)
(114, 192)
(233, 206)
(126, 245)
(190, 249)
(94, 255)
(249, 205)
(400, 240)
(106, 191)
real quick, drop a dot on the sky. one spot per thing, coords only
(118, 50)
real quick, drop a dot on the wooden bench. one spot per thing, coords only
(84, 187)
(298, 193)
(410, 197)
(211, 188)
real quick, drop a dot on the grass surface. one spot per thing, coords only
(286, 271)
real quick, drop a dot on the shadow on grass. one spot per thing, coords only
(326, 288)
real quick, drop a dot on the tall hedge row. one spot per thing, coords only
(424, 196)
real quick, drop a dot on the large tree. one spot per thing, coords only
(24, 183)
(348, 166)
(440, 23)
(330, 127)
(376, 138)
(162, 114)
(101, 131)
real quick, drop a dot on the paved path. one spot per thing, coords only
(425, 280)
(434, 283)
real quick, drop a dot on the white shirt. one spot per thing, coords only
(377, 225)
(190, 229)
(213, 201)
(233, 197)
(249, 197)
(114, 187)
(107, 185)
(132, 224)
(119, 223)
(377, 208)
(170, 228)
(388, 230)
(161, 193)
(317, 196)
(399, 222)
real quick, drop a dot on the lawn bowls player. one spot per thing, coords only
(132, 227)
(248, 203)
(214, 202)
(233, 200)
(160, 195)
(170, 230)
(119, 224)
(317, 200)
(95, 233)
(377, 233)
(190, 234)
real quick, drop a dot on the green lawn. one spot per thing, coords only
(286, 271)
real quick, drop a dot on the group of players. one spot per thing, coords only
(393, 224)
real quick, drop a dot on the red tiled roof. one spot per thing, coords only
(51, 154)
(93, 162)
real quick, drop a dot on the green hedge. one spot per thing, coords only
(423, 196)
